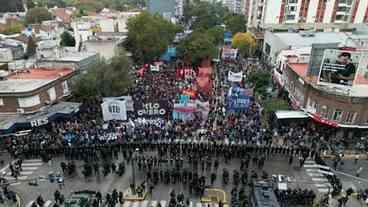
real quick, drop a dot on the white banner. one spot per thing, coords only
(235, 77)
(155, 68)
(129, 103)
(114, 110)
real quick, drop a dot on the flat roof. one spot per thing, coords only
(71, 57)
(29, 80)
(297, 40)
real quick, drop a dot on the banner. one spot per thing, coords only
(204, 108)
(114, 110)
(152, 109)
(235, 77)
(129, 103)
(229, 53)
(339, 66)
(237, 100)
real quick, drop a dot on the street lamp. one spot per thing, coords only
(133, 171)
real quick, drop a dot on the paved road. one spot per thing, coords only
(275, 164)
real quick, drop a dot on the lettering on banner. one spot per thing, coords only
(39, 122)
(151, 109)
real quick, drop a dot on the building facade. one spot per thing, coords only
(234, 6)
(29, 90)
(319, 14)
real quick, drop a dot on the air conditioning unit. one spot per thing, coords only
(20, 111)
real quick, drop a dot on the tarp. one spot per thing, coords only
(286, 114)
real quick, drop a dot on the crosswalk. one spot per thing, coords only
(163, 203)
(317, 175)
(47, 203)
(28, 168)
(145, 203)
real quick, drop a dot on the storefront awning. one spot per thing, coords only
(285, 114)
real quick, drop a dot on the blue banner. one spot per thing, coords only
(237, 100)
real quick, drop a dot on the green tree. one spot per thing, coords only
(56, 3)
(196, 48)
(89, 5)
(216, 34)
(67, 40)
(245, 42)
(149, 36)
(235, 23)
(260, 81)
(31, 47)
(30, 4)
(106, 79)
(37, 15)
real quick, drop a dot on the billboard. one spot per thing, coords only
(339, 66)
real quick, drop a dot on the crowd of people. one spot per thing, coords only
(203, 143)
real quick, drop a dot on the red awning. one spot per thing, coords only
(319, 119)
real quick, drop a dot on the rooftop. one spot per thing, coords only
(32, 79)
(299, 68)
(300, 40)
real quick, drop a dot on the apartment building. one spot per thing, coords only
(319, 14)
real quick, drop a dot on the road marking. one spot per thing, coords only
(324, 185)
(26, 172)
(32, 164)
(310, 166)
(135, 204)
(33, 160)
(312, 170)
(126, 203)
(191, 204)
(163, 203)
(309, 162)
(199, 204)
(323, 190)
(315, 174)
(29, 168)
(13, 184)
(144, 204)
(29, 204)
(320, 179)
(153, 203)
(47, 203)
(13, 178)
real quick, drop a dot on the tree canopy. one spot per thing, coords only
(67, 40)
(196, 48)
(245, 42)
(206, 15)
(235, 23)
(149, 36)
(37, 15)
(106, 78)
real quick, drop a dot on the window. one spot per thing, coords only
(65, 88)
(52, 94)
(337, 115)
(290, 17)
(29, 101)
(350, 117)
(268, 49)
(1, 102)
(292, 8)
(324, 111)
(114, 108)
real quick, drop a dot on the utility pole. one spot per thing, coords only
(133, 169)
